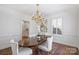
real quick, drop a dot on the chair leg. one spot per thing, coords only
(49, 53)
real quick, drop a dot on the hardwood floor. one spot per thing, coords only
(6, 51)
(58, 49)
(61, 49)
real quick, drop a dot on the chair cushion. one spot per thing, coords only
(24, 51)
(47, 46)
(43, 47)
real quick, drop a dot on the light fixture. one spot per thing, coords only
(38, 18)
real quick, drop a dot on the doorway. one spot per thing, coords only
(25, 28)
(25, 32)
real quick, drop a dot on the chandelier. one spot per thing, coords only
(38, 18)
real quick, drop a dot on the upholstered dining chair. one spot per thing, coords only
(47, 46)
(19, 50)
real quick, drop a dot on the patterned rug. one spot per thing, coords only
(58, 49)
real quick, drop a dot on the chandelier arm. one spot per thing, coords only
(39, 18)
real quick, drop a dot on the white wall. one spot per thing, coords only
(78, 26)
(9, 26)
(70, 36)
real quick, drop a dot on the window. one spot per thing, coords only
(57, 25)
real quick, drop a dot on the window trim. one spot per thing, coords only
(56, 25)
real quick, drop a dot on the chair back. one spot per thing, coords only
(14, 47)
(49, 43)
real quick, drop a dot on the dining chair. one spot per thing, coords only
(16, 50)
(47, 46)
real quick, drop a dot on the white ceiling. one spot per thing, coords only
(46, 9)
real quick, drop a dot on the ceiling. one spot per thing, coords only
(46, 9)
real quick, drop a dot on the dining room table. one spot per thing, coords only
(34, 42)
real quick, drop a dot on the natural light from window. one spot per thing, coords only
(57, 25)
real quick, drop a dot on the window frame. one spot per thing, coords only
(56, 25)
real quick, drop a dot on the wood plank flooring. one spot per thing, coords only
(58, 49)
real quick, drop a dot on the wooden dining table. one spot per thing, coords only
(33, 42)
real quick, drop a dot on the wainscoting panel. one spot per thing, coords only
(67, 39)
(5, 40)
